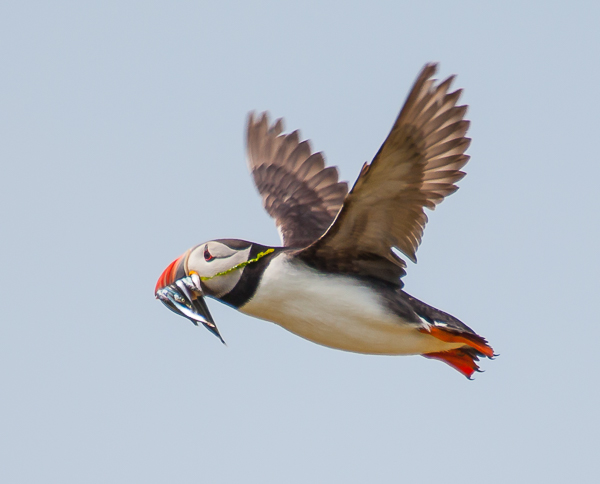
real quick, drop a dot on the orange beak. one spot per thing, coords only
(169, 275)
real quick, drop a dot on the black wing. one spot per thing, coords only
(297, 190)
(416, 167)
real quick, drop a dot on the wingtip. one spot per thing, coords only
(261, 120)
(255, 118)
(431, 68)
(449, 80)
(277, 127)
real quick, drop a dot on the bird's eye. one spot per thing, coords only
(207, 255)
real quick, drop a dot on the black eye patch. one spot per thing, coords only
(207, 255)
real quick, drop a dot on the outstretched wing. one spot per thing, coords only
(297, 190)
(416, 167)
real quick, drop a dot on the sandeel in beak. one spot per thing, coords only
(185, 297)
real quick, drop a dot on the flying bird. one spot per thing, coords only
(337, 279)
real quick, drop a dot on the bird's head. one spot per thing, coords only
(210, 269)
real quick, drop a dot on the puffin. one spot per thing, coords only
(336, 280)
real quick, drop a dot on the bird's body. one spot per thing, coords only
(341, 312)
(336, 281)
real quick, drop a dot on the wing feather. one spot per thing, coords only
(297, 190)
(416, 167)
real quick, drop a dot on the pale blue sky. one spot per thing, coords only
(122, 146)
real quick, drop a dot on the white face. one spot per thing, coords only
(212, 258)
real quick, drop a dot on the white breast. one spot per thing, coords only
(335, 311)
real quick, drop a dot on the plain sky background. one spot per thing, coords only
(122, 144)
